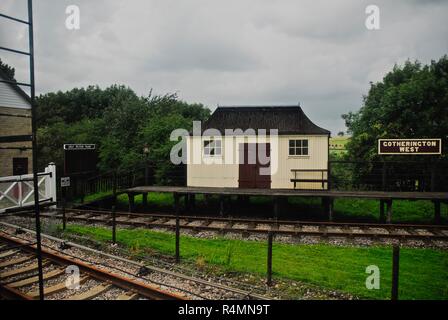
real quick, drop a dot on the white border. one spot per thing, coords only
(410, 154)
(91, 147)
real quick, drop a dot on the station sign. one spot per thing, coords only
(79, 147)
(410, 146)
(80, 159)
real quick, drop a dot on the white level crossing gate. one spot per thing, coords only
(17, 191)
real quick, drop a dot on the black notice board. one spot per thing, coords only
(80, 158)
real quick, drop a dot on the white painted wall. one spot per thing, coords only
(11, 98)
(221, 174)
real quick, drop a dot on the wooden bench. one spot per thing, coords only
(323, 180)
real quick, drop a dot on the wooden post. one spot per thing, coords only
(114, 225)
(276, 208)
(384, 177)
(176, 207)
(192, 201)
(145, 201)
(269, 260)
(330, 209)
(433, 176)
(324, 204)
(64, 203)
(221, 205)
(389, 211)
(329, 176)
(64, 218)
(382, 216)
(114, 189)
(131, 202)
(437, 218)
(146, 172)
(395, 272)
(187, 202)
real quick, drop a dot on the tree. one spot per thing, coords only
(118, 121)
(52, 138)
(76, 104)
(8, 70)
(410, 102)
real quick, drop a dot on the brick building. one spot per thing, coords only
(15, 120)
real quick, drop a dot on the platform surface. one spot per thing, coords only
(381, 195)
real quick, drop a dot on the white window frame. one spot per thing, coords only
(210, 146)
(299, 147)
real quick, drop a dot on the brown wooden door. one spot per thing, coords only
(249, 167)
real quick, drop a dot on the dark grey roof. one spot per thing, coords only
(287, 120)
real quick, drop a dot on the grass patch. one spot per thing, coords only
(402, 211)
(423, 272)
(338, 145)
(367, 210)
(97, 196)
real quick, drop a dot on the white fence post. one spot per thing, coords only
(20, 196)
(50, 183)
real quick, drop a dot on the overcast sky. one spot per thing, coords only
(243, 52)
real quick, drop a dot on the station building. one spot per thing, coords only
(226, 151)
(15, 120)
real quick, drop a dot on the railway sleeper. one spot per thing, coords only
(54, 289)
(16, 261)
(128, 296)
(17, 272)
(8, 253)
(91, 293)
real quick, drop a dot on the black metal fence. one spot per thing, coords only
(343, 176)
(389, 175)
(161, 173)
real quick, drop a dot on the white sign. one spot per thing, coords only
(79, 147)
(65, 182)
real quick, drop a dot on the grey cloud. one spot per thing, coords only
(233, 52)
(187, 55)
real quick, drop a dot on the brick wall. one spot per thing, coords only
(14, 122)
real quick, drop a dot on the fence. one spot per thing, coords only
(18, 191)
(155, 173)
(389, 175)
(360, 273)
(341, 175)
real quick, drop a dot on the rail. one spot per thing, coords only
(108, 280)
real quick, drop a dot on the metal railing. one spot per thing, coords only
(420, 176)
(155, 173)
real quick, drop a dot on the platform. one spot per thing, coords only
(328, 196)
(376, 195)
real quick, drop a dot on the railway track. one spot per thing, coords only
(187, 283)
(19, 280)
(258, 226)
